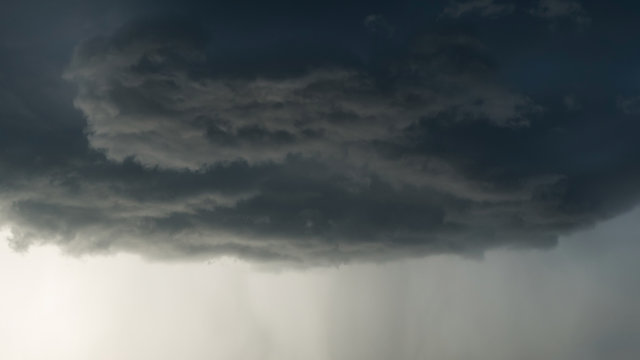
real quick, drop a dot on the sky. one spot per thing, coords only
(319, 180)
(579, 301)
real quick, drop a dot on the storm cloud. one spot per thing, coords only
(164, 137)
(489, 8)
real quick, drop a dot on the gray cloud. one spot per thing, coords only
(142, 99)
(572, 103)
(553, 9)
(629, 105)
(322, 165)
(377, 24)
(482, 7)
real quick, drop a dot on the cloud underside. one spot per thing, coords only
(550, 10)
(328, 164)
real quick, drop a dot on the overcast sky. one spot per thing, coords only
(320, 179)
(579, 301)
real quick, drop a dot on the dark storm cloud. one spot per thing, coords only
(378, 24)
(551, 10)
(554, 9)
(481, 7)
(629, 105)
(152, 97)
(382, 140)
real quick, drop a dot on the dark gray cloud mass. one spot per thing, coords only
(552, 9)
(189, 137)
(489, 8)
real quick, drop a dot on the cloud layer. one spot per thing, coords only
(308, 151)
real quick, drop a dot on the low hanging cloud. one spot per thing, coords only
(152, 98)
(331, 163)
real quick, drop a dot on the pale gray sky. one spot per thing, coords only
(579, 301)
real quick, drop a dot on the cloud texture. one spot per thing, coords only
(307, 151)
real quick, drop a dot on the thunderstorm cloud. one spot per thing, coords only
(168, 137)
